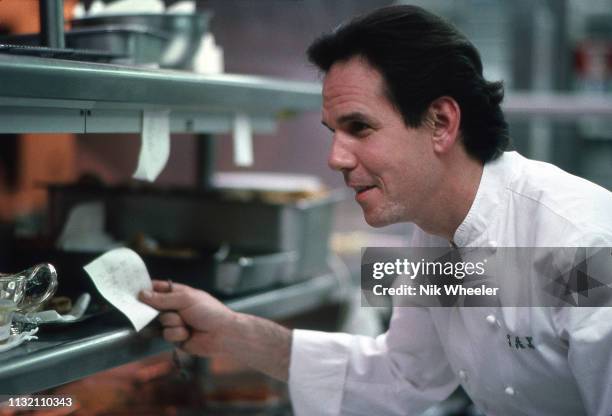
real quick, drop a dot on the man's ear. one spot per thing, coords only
(444, 117)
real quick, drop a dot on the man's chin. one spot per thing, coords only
(376, 221)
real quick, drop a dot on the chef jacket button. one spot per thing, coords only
(462, 375)
(509, 391)
(492, 320)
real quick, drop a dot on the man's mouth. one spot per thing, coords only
(361, 189)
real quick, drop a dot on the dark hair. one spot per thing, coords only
(421, 58)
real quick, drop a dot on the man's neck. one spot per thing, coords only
(453, 200)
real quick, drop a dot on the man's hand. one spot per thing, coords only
(206, 327)
(190, 317)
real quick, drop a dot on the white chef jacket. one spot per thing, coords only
(510, 360)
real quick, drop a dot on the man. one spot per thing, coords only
(420, 137)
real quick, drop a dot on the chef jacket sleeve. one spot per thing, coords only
(588, 332)
(589, 335)
(401, 372)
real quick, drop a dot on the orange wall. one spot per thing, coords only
(41, 158)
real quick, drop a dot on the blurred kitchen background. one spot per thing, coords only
(537, 47)
(555, 57)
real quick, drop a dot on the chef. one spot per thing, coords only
(419, 135)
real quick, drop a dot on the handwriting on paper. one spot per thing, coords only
(119, 275)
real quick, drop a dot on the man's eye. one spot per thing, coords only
(358, 127)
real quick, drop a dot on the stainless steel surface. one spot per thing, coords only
(248, 273)
(134, 44)
(21, 47)
(287, 301)
(184, 32)
(120, 44)
(72, 120)
(52, 23)
(60, 357)
(53, 95)
(201, 219)
(40, 82)
(557, 105)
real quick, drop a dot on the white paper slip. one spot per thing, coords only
(119, 275)
(155, 144)
(243, 140)
(84, 229)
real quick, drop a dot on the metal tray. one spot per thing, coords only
(70, 54)
(127, 44)
(242, 273)
(73, 280)
(199, 218)
(217, 270)
(184, 32)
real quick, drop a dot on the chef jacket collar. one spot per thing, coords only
(496, 177)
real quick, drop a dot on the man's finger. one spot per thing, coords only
(176, 334)
(162, 285)
(170, 319)
(164, 300)
(165, 285)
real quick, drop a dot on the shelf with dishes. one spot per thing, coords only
(105, 340)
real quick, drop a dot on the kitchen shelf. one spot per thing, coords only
(556, 105)
(54, 95)
(68, 353)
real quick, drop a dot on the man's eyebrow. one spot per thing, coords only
(355, 116)
(347, 118)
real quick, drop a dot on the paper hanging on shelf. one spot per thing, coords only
(155, 144)
(119, 275)
(243, 140)
(84, 229)
(103, 8)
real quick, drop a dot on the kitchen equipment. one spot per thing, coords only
(135, 44)
(219, 270)
(184, 31)
(70, 54)
(193, 270)
(26, 289)
(197, 218)
(126, 44)
(244, 273)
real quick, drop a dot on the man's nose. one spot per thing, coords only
(341, 157)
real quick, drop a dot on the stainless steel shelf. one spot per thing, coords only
(74, 352)
(556, 105)
(53, 95)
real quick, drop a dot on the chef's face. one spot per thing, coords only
(387, 164)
